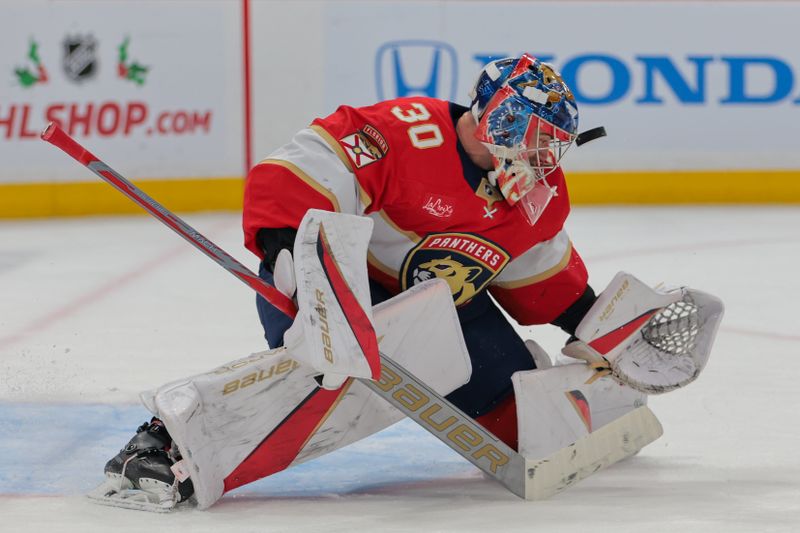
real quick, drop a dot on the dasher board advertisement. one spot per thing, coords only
(155, 87)
(678, 85)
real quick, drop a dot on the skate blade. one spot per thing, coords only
(114, 492)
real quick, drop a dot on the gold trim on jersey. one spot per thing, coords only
(549, 273)
(334, 144)
(413, 237)
(376, 263)
(365, 198)
(308, 180)
(366, 201)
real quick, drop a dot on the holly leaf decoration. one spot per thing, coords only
(137, 72)
(123, 50)
(33, 53)
(26, 77)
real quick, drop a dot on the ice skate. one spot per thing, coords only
(142, 475)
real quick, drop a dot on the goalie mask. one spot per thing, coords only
(527, 118)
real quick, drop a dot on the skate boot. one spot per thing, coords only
(141, 475)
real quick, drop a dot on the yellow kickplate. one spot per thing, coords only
(99, 198)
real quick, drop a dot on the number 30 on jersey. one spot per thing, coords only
(426, 135)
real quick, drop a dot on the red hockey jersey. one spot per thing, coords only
(435, 212)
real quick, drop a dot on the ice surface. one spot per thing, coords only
(95, 310)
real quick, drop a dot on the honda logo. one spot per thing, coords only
(410, 68)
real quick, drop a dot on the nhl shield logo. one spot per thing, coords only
(80, 58)
(466, 262)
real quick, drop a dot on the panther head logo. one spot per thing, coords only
(460, 278)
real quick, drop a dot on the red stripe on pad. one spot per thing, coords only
(280, 448)
(611, 340)
(581, 405)
(355, 315)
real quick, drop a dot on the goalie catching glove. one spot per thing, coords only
(654, 341)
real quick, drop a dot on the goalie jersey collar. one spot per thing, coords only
(475, 175)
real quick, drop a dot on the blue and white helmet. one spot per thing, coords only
(527, 118)
(538, 90)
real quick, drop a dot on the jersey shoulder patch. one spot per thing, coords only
(364, 146)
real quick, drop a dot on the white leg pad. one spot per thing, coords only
(220, 418)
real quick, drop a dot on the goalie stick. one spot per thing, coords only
(466, 437)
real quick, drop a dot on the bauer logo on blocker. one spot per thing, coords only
(416, 68)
